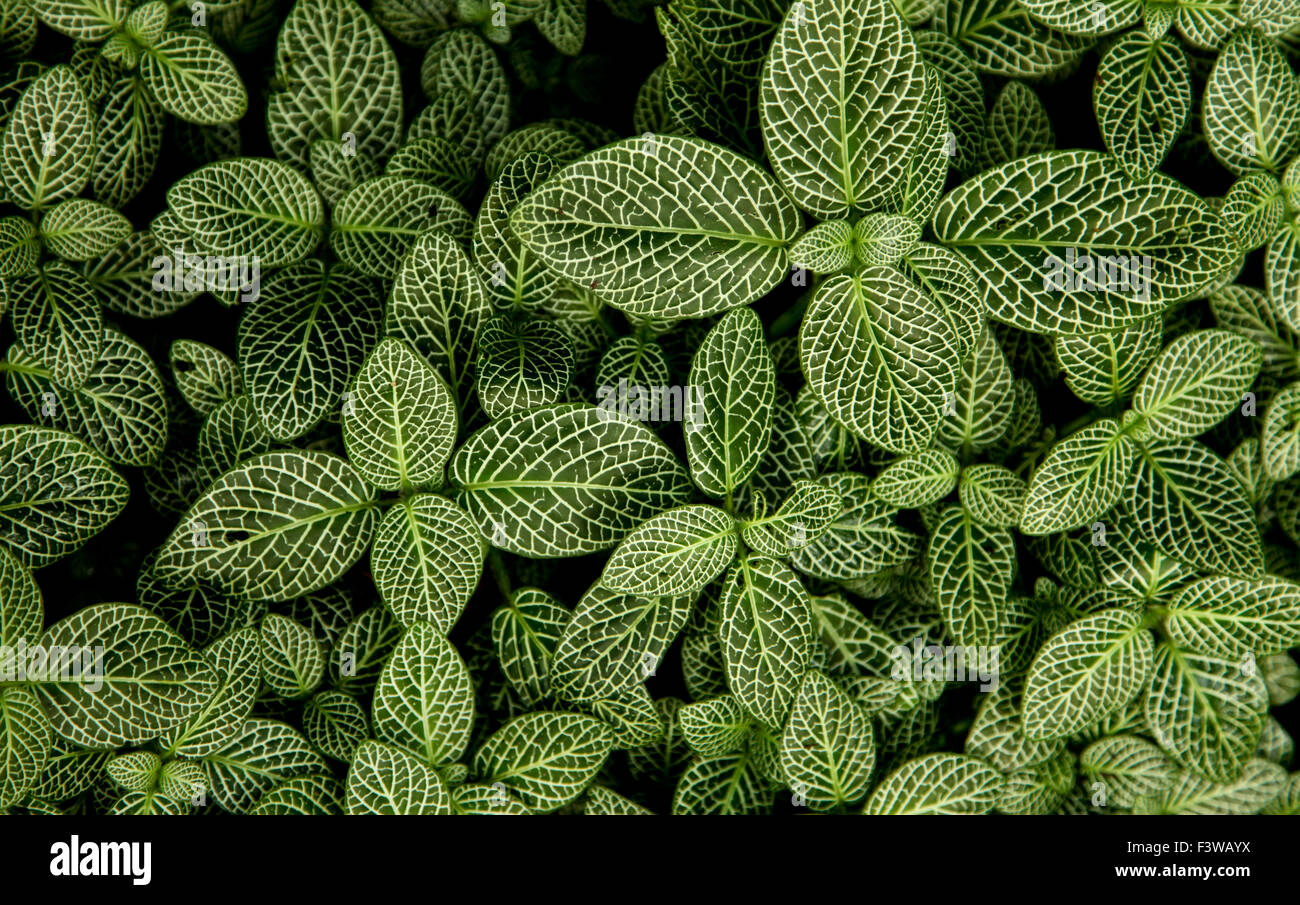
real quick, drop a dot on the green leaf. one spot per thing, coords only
(804, 517)
(564, 24)
(993, 495)
(57, 320)
(302, 341)
(85, 20)
(22, 614)
(1102, 368)
(48, 142)
(1195, 382)
(978, 411)
(514, 276)
(1128, 767)
(129, 140)
(401, 428)
(424, 702)
(205, 376)
(1234, 617)
(1086, 671)
(335, 724)
(143, 679)
(276, 527)
(120, 408)
(1188, 504)
(375, 224)
(249, 207)
(547, 759)
(525, 634)
(293, 661)
(259, 758)
(1206, 712)
(729, 784)
(730, 416)
(1252, 105)
(708, 228)
(384, 779)
(838, 143)
(971, 566)
(1257, 785)
(937, 784)
(437, 304)
(613, 641)
(863, 539)
(191, 78)
(876, 350)
(917, 480)
(766, 635)
(1142, 96)
(564, 480)
(715, 726)
(676, 552)
(236, 659)
(1281, 437)
(57, 493)
(1002, 39)
(24, 743)
(1020, 225)
(827, 749)
(461, 62)
(79, 229)
(1082, 477)
(523, 363)
(337, 76)
(1017, 126)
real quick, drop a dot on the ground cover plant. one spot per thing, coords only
(713, 406)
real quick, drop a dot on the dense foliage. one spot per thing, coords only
(719, 406)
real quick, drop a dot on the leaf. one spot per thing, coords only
(336, 76)
(125, 677)
(129, 139)
(85, 20)
(1030, 224)
(971, 566)
(730, 420)
(461, 61)
(708, 228)
(766, 635)
(1102, 368)
(1017, 126)
(979, 409)
(993, 495)
(1080, 18)
(1259, 783)
(827, 749)
(612, 642)
(1281, 436)
(48, 142)
(715, 726)
(1142, 96)
(1251, 105)
(1206, 712)
(375, 224)
(276, 527)
(120, 408)
(259, 758)
(875, 349)
(863, 539)
(917, 480)
(384, 779)
(56, 493)
(302, 341)
(804, 517)
(205, 376)
(249, 207)
(1082, 477)
(1088, 670)
(424, 702)
(79, 229)
(564, 24)
(22, 614)
(191, 78)
(547, 759)
(838, 147)
(525, 633)
(56, 318)
(302, 795)
(729, 784)
(236, 660)
(437, 304)
(1002, 39)
(937, 784)
(24, 743)
(1195, 382)
(1233, 618)
(564, 480)
(1188, 504)
(293, 661)
(676, 552)
(403, 423)
(1128, 767)
(522, 363)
